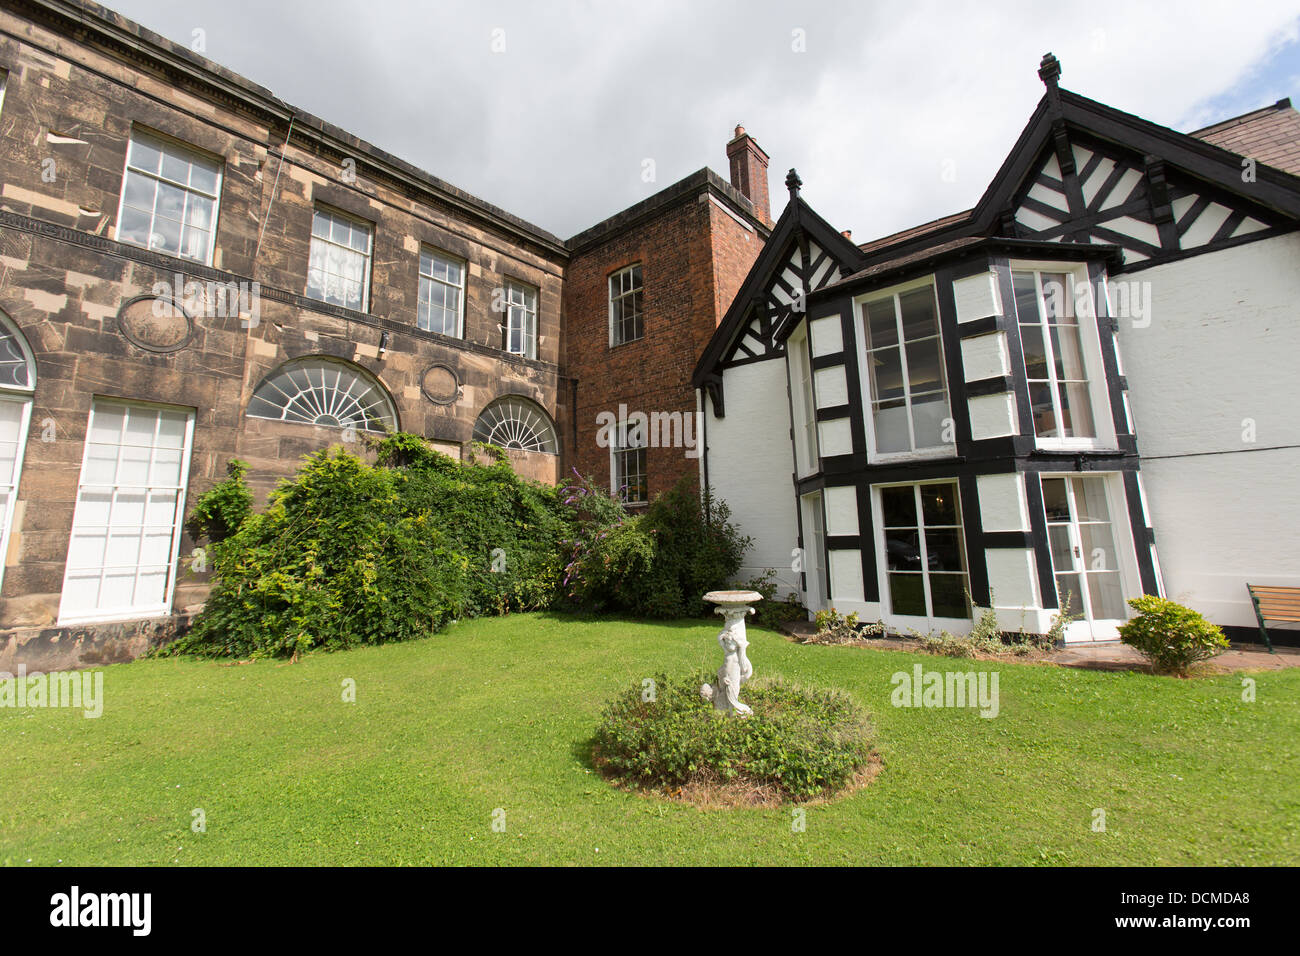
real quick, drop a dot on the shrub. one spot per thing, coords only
(798, 744)
(768, 612)
(221, 510)
(1169, 635)
(835, 628)
(349, 553)
(657, 564)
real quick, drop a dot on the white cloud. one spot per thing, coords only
(555, 129)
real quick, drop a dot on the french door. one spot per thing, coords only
(817, 590)
(130, 505)
(1086, 561)
(15, 415)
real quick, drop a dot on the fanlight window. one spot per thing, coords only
(15, 364)
(321, 392)
(516, 423)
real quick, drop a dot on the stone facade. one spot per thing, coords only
(79, 82)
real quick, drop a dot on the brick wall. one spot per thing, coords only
(694, 256)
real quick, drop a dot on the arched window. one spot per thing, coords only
(512, 422)
(17, 382)
(324, 391)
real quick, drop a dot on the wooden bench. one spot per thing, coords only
(1274, 604)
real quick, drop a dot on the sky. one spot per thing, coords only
(565, 113)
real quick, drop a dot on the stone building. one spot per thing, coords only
(192, 270)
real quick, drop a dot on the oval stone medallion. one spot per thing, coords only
(440, 384)
(155, 324)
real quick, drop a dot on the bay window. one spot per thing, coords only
(903, 358)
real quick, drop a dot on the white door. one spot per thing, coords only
(816, 596)
(1085, 560)
(15, 414)
(130, 506)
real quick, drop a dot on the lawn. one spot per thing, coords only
(492, 715)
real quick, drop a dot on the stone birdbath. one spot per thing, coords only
(734, 606)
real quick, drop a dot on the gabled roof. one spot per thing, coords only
(797, 218)
(1273, 189)
(1270, 135)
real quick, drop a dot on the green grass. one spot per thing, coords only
(493, 714)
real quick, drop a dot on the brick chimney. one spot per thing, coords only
(749, 172)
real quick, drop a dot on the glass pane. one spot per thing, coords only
(146, 154)
(907, 594)
(166, 235)
(924, 367)
(175, 167)
(882, 329)
(1058, 540)
(919, 319)
(1058, 295)
(898, 506)
(134, 227)
(886, 374)
(943, 550)
(1055, 500)
(1040, 400)
(203, 177)
(890, 419)
(1031, 341)
(1106, 597)
(1090, 499)
(1069, 594)
(930, 420)
(948, 595)
(1076, 411)
(139, 191)
(1026, 292)
(1098, 547)
(939, 504)
(902, 550)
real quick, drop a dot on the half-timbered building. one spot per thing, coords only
(1076, 392)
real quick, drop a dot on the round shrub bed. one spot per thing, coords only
(798, 745)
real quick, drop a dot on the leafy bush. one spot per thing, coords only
(222, 509)
(768, 612)
(658, 563)
(835, 628)
(1169, 635)
(349, 553)
(798, 744)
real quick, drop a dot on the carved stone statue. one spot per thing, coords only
(736, 669)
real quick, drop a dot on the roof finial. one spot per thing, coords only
(792, 183)
(1049, 71)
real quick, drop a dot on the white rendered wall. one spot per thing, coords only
(750, 466)
(1222, 347)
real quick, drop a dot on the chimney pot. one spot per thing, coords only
(847, 233)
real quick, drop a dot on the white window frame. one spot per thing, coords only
(164, 142)
(434, 253)
(623, 445)
(946, 450)
(19, 395)
(525, 311)
(803, 402)
(632, 293)
(1090, 347)
(913, 621)
(141, 612)
(368, 256)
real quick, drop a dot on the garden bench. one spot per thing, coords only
(1274, 604)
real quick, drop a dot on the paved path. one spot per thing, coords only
(1111, 656)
